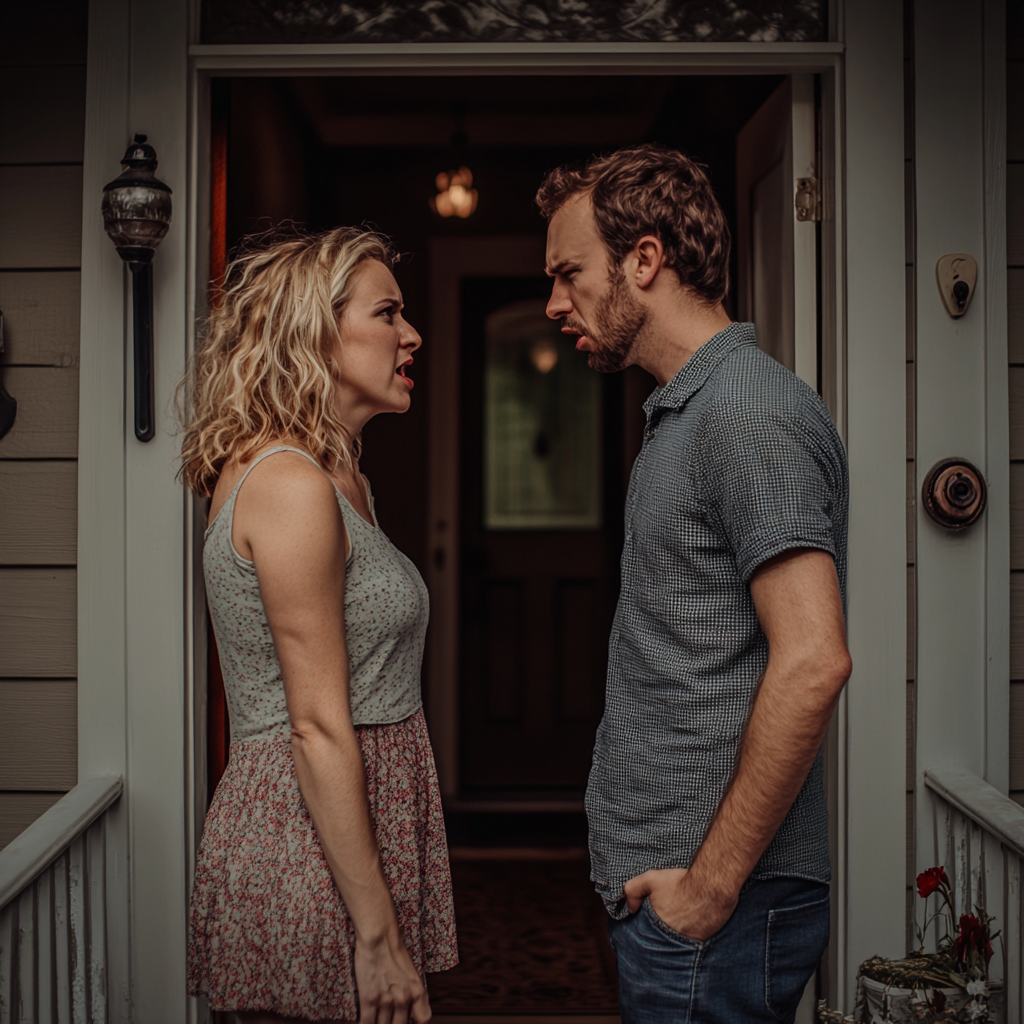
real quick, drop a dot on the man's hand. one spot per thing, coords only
(682, 901)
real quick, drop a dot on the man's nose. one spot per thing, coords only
(559, 305)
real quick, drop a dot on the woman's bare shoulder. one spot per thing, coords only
(282, 469)
(288, 481)
(287, 502)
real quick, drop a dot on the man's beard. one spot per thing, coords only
(619, 323)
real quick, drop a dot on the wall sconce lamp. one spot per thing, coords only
(136, 216)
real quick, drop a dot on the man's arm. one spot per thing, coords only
(798, 603)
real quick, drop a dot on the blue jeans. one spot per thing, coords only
(754, 969)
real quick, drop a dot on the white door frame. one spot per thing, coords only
(137, 595)
(963, 579)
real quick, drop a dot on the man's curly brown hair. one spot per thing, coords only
(651, 190)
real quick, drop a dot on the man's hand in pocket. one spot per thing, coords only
(682, 901)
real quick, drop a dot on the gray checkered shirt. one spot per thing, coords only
(740, 462)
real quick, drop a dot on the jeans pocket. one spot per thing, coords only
(668, 930)
(796, 940)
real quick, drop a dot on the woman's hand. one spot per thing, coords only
(390, 991)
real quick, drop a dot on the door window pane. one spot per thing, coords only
(542, 425)
(501, 21)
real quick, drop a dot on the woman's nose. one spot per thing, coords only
(410, 337)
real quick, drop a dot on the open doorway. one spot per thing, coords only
(505, 482)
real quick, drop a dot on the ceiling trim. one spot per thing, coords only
(523, 58)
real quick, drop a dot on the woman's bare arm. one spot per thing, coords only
(288, 515)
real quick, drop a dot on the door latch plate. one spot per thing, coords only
(808, 199)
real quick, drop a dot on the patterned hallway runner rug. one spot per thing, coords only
(533, 939)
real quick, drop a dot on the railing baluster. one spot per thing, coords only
(963, 863)
(27, 954)
(976, 855)
(8, 916)
(44, 947)
(993, 892)
(1013, 939)
(62, 938)
(76, 918)
(96, 873)
(944, 853)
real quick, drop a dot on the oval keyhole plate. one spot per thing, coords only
(957, 274)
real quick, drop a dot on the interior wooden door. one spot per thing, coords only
(540, 536)
(777, 288)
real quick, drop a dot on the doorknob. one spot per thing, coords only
(957, 274)
(954, 493)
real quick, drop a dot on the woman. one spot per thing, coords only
(322, 887)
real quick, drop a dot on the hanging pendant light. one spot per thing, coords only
(456, 196)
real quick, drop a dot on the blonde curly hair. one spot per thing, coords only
(266, 368)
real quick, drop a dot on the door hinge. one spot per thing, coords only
(808, 199)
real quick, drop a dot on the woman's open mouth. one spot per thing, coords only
(401, 373)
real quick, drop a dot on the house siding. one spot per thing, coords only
(1015, 338)
(42, 127)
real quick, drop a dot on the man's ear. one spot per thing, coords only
(650, 257)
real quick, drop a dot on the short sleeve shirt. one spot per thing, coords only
(740, 462)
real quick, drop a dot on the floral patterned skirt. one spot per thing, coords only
(268, 930)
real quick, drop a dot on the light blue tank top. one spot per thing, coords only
(386, 612)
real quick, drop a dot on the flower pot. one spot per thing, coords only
(878, 996)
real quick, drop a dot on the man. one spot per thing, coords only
(708, 823)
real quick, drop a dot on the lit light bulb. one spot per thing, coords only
(456, 196)
(544, 356)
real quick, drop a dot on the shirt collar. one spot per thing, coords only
(692, 377)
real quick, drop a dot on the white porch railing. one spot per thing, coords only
(53, 912)
(979, 837)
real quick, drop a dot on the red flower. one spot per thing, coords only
(928, 881)
(972, 936)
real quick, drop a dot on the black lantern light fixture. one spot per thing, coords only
(136, 216)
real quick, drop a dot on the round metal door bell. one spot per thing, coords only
(954, 493)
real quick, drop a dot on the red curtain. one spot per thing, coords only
(217, 728)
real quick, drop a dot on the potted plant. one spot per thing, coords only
(950, 984)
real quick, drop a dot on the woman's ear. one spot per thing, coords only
(333, 366)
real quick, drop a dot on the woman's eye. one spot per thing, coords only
(388, 312)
